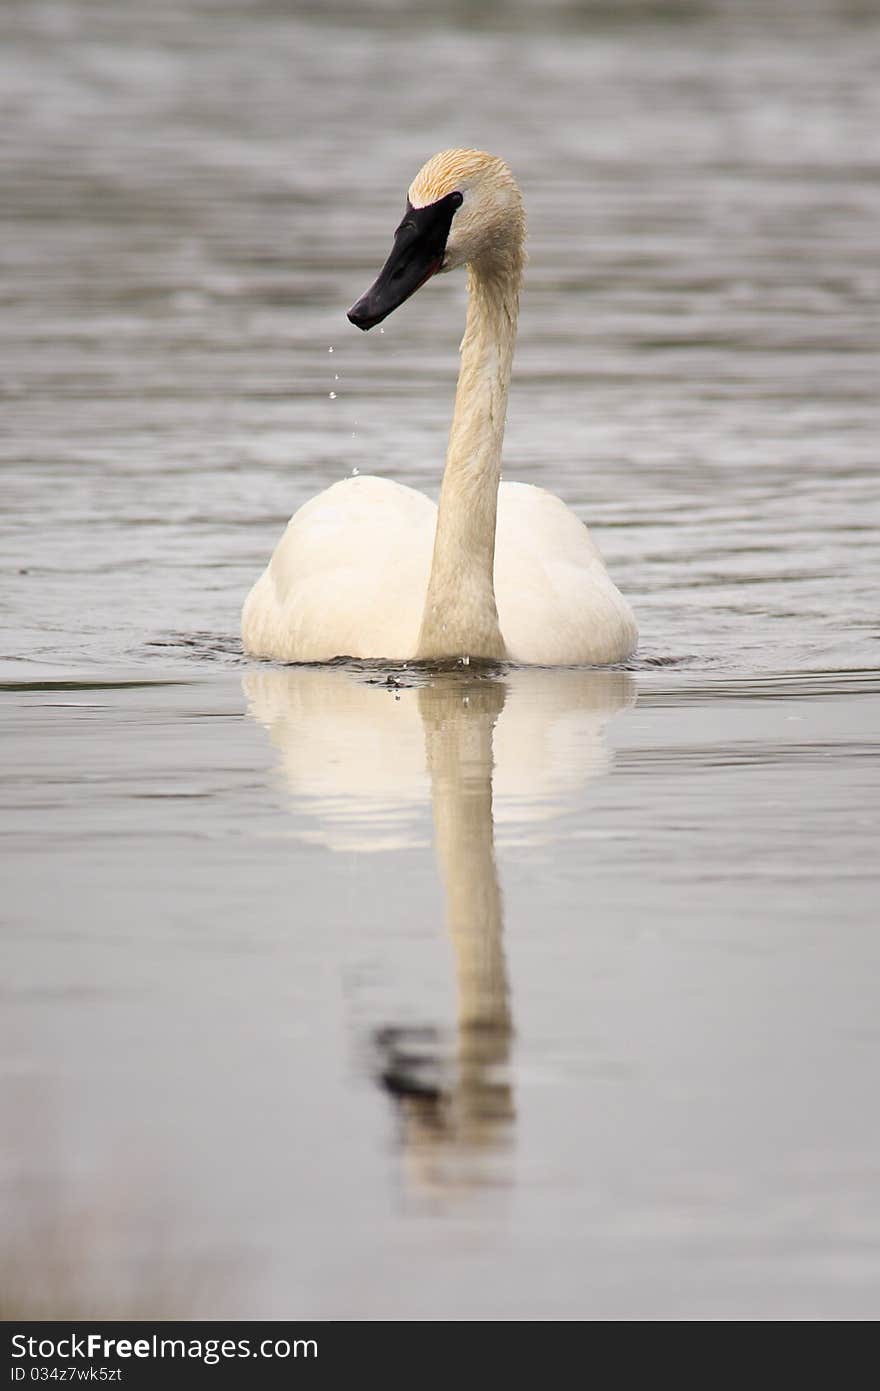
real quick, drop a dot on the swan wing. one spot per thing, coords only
(557, 604)
(348, 577)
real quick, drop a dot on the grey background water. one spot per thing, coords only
(283, 1034)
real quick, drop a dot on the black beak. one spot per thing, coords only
(417, 254)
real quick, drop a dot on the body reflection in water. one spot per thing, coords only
(363, 752)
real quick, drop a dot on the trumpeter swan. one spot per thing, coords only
(370, 568)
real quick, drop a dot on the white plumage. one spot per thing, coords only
(372, 569)
(350, 574)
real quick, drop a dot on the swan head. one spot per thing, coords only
(463, 208)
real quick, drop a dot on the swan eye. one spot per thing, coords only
(456, 199)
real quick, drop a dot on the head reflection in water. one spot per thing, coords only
(363, 756)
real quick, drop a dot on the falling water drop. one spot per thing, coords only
(332, 395)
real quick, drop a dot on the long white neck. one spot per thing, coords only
(460, 617)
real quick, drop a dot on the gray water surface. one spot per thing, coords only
(348, 992)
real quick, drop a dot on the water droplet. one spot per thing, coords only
(381, 330)
(329, 350)
(332, 395)
(355, 472)
(336, 376)
(465, 661)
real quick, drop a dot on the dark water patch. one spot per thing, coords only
(202, 647)
(90, 684)
(819, 685)
(659, 661)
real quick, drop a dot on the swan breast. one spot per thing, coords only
(348, 577)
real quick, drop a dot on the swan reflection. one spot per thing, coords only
(365, 754)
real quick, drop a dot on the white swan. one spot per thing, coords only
(370, 568)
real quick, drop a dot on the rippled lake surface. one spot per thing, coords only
(352, 992)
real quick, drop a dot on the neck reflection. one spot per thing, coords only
(363, 753)
(456, 1108)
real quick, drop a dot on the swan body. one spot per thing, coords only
(497, 571)
(322, 596)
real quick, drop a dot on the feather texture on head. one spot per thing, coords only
(455, 171)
